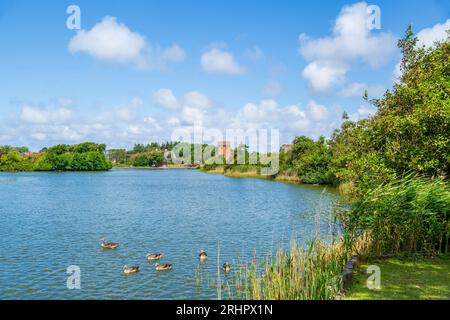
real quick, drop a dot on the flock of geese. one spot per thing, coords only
(154, 257)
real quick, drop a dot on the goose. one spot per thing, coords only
(129, 270)
(108, 245)
(226, 267)
(203, 255)
(163, 267)
(154, 256)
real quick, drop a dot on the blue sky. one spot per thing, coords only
(137, 70)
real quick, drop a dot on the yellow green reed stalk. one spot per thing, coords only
(302, 273)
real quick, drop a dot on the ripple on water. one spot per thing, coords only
(53, 220)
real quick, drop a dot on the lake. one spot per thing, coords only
(50, 221)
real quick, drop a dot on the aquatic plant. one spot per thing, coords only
(311, 272)
(404, 216)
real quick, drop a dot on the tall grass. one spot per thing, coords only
(302, 273)
(404, 216)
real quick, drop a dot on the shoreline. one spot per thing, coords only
(171, 167)
(281, 178)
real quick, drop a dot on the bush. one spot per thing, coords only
(148, 159)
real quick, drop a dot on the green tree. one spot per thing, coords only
(311, 160)
(410, 130)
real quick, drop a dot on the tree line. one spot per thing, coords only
(150, 155)
(87, 156)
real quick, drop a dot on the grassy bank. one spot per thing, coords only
(244, 174)
(404, 278)
(251, 172)
(288, 178)
(168, 166)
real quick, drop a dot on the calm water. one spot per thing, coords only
(49, 221)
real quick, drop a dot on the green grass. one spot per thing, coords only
(405, 279)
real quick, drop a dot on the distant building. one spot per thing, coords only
(223, 149)
(286, 147)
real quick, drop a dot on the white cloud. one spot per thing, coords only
(428, 36)
(112, 41)
(173, 122)
(196, 100)
(136, 102)
(254, 53)
(173, 54)
(121, 114)
(39, 136)
(272, 89)
(165, 98)
(261, 114)
(192, 115)
(192, 107)
(316, 111)
(357, 89)
(397, 71)
(331, 57)
(322, 77)
(124, 114)
(217, 60)
(35, 115)
(291, 120)
(296, 119)
(363, 112)
(195, 108)
(67, 133)
(128, 124)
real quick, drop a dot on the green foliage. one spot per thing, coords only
(154, 146)
(149, 159)
(86, 156)
(150, 155)
(118, 156)
(12, 160)
(311, 160)
(410, 131)
(407, 215)
(354, 162)
(89, 161)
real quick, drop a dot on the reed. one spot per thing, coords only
(409, 215)
(312, 272)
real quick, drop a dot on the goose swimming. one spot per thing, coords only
(130, 270)
(108, 245)
(203, 255)
(226, 267)
(163, 267)
(154, 256)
